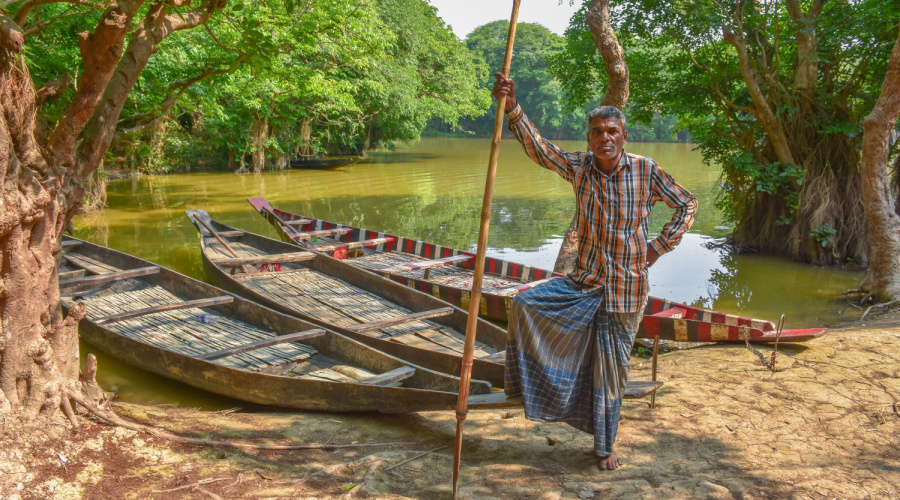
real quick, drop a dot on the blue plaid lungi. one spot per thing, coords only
(568, 358)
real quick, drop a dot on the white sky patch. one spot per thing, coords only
(466, 15)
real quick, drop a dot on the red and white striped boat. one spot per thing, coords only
(447, 273)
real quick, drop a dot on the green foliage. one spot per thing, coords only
(681, 65)
(288, 77)
(823, 235)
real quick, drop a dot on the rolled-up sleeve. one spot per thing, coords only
(540, 150)
(671, 193)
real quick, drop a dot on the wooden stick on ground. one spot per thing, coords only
(462, 405)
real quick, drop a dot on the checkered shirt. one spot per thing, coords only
(612, 214)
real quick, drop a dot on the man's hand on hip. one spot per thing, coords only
(652, 256)
(505, 86)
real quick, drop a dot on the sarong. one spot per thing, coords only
(568, 358)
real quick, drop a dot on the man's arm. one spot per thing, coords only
(665, 189)
(540, 150)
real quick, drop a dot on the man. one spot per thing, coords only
(570, 339)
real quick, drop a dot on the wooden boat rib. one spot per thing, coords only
(343, 298)
(149, 316)
(447, 273)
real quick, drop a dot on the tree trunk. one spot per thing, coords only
(38, 348)
(616, 95)
(883, 280)
(259, 132)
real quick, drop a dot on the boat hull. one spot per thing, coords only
(488, 333)
(425, 390)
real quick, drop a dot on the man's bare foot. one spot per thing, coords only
(608, 463)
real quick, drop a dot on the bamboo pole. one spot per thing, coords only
(462, 404)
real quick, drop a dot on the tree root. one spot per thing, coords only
(885, 304)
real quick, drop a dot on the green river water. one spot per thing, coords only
(432, 191)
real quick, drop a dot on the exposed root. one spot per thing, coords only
(192, 485)
(885, 304)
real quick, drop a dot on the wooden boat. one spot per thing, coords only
(325, 291)
(324, 162)
(183, 329)
(447, 273)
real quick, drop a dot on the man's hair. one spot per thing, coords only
(606, 112)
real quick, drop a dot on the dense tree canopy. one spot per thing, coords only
(266, 80)
(775, 91)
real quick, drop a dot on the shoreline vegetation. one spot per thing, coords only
(725, 427)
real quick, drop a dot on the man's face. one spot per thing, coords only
(606, 137)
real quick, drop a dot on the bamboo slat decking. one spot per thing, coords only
(339, 303)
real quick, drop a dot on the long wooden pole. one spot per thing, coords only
(462, 404)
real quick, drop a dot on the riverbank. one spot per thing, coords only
(823, 426)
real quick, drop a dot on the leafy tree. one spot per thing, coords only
(775, 91)
(539, 91)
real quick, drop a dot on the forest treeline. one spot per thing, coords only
(266, 81)
(774, 92)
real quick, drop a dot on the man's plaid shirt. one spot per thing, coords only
(612, 214)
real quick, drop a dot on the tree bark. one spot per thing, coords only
(883, 279)
(761, 109)
(616, 95)
(807, 49)
(260, 133)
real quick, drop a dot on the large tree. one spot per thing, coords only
(883, 280)
(774, 91)
(43, 167)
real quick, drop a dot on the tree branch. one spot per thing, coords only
(761, 109)
(156, 25)
(26, 8)
(100, 52)
(611, 51)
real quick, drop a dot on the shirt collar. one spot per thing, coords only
(623, 163)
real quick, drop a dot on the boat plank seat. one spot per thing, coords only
(426, 264)
(226, 234)
(99, 279)
(174, 306)
(252, 346)
(675, 313)
(89, 264)
(497, 357)
(265, 259)
(321, 234)
(298, 222)
(391, 377)
(67, 275)
(69, 243)
(351, 245)
(400, 320)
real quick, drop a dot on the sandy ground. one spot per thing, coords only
(825, 425)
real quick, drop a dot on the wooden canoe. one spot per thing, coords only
(328, 292)
(148, 316)
(325, 162)
(447, 273)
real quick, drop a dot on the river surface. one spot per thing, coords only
(432, 191)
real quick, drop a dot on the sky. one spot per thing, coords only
(466, 15)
